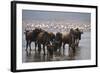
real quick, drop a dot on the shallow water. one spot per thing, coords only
(83, 52)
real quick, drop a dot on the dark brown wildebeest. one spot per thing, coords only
(52, 48)
(52, 37)
(60, 38)
(68, 38)
(71, 38)
(58, 41)
(43, 38)
(31, 36)
(77, 34)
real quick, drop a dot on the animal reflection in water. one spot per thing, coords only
(52, 45)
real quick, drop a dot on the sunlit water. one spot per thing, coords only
(83, 52)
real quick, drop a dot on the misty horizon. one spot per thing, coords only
(54, 16)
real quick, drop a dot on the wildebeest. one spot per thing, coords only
(68, 38)
(43, 38)
(77, 34)
(71, 38)
(31, 37)
(58, 41)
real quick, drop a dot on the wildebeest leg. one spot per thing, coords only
(74, 50)
(30, 45)
(35, 46)
(26, 45)
(69, 50)
(39, 48)
(77, 42)
(44, 48)
(63, 48)
(60, 48)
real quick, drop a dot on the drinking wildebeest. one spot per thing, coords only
(31, 37)
(50, 50)
(58, 41)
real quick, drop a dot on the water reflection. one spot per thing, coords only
(31, 56)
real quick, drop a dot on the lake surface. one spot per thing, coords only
(83, 52)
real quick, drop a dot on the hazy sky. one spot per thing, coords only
(70, 17)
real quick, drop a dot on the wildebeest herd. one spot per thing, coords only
(51, 43)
